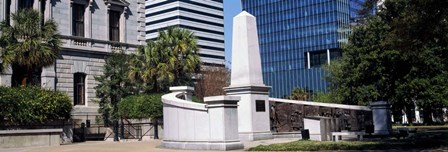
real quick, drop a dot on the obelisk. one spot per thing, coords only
(247, 81)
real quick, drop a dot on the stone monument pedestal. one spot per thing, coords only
(381, 117)
(253, 112)
(197, 126)
(247, 81)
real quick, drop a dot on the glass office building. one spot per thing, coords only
(297, 37)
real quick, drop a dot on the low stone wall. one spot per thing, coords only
(209, 126)
(288, 115)
(30, 138)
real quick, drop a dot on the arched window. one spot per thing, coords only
(79, 88)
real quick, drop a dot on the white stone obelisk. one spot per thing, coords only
(247, 81)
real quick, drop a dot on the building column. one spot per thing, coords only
(5, 77)
(14, 6)
(3, 13)
(48, 77)
(107, 24)
(48, 10)
(36, 5)
(88, 19)
(123, 25)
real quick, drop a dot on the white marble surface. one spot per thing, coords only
(246, 63)
(247, 80)
(318, 127)
(330, 105)
(209, 126)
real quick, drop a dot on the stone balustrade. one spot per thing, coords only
(83, 43)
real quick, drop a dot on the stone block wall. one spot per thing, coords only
(70, 64)
(30, 138)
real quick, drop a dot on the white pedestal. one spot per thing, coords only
(253, 112)
(318, 127)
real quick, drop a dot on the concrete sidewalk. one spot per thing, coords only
(137, 146)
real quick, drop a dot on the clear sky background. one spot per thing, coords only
(231, 9)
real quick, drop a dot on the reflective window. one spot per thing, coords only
(114, 26)
(317, 58)
(78, 11)
(79, 88)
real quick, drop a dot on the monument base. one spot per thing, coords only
(252, 136)
(203, 145)
(381, 132)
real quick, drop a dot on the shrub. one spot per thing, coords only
(32, 105)
(141, 106)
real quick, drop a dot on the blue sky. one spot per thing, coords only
(231, 9)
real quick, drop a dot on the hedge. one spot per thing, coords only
(32, 106)
(141, 106)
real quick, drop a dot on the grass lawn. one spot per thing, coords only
(438, 127)
(419, 141)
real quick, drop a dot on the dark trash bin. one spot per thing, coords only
(88, 123)
(305, 134)
(370, 129)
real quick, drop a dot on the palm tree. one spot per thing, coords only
(28, 45)
(300, 94)
(170, 60)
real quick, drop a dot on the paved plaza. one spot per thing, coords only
(136, 146)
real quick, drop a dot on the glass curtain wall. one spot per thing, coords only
(294, 34)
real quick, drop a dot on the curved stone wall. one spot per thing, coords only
(209, 126)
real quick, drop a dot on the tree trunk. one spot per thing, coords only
(23, 81)
(156, 84)
(427, 116)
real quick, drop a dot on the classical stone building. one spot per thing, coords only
(90, 30)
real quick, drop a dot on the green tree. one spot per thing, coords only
(170, 60)
(141, 106)
(113, 86)
(28, 45)
(399, 55)
(300, 94)
(325, 97)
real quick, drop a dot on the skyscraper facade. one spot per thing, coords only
(204, 18)
(297, 37)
